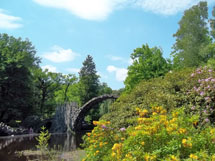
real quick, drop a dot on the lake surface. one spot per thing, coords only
(9, 146)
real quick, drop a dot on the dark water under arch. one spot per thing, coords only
(10, 145)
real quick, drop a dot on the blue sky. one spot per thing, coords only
(64, 32)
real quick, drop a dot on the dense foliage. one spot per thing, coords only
(147, 63)
(192, 37)
(156, 136)
(27, 91)
(138, 129)
(89, 80)
(17, 60)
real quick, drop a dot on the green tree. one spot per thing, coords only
(212, 23)
(46, 83)
(68, 91)
(147, 63)
(89, 80)
(17, 60)
(104, 89)
(191, 37)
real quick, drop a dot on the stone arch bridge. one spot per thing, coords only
(70, 116)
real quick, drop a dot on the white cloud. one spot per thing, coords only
(50, 68)
(101, 9)
(121, 59)
(8, 21)
(120, 73)
(102, 75)
(59, 55)
(167, 7)
(87, 9)
(116, 58)
(73, 70)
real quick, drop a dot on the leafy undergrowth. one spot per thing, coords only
(174, 121)
(156, 136)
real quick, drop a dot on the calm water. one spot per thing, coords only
(9, 145)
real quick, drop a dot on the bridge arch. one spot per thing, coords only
(87, 107)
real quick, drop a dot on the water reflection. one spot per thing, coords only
(9, 145)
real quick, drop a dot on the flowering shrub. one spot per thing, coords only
(157, 136)
(201, 97)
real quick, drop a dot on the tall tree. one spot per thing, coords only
(68, 90)
(17, 59)
(89, 80)
(46, 83)
(212, 23)
(147, 63)
(191, 37)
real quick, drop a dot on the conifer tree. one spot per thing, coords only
(89, 80)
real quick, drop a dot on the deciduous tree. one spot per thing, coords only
(17, 59)
(147, 63)
(191, 37)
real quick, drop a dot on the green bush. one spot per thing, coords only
(201, 98)
(157, 136)
(169, 92)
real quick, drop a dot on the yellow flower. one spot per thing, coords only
(163, 112)
(154, 113)
(213, 158)
(175, 114)
(182, 131)
(113, 154)
(184, 141)
(173, 120)
(97, 151)
(138, 110)
(143, 143)
(192, 156)
(116, 146)
(212, 131)
(169, 129)
(95, 122)
(187, 143)
(173, 158)
(147, 157)
(138, 127)
(128, 155)
(101, 144)
(143, 113)
(88, 134)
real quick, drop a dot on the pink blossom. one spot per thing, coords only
(122, 129)
(206, 120)
(202, 93)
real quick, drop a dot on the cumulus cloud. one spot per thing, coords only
(73, 70)
(87, 9)
(120, 73)
(101, 9)
(8, 21)
(59, 55)
(102, 75)
(50, 68)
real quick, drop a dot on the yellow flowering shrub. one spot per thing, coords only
(157, 136)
